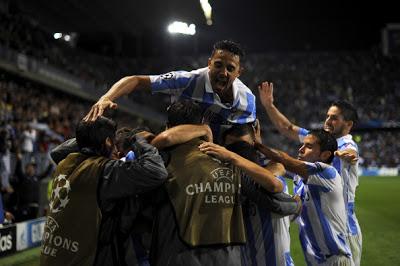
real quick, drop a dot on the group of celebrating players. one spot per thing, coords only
(205, 191)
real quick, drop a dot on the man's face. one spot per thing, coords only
(238, 145)
(224, 69)
(110, 149)
(310, 151)
(30, 170)
(335, 123)
(232, 139)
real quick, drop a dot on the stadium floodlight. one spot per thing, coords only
(67, 37)
(207, 10)
(182, 28)
(57, 35)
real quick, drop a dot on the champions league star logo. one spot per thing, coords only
(169, 75)
(59, 197)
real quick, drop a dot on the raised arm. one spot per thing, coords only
(181, 134)
(280, 121)
(122, 87)
(290, 163)
(259, 174)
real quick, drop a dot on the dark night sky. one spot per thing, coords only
(299, 24)
(268, 25)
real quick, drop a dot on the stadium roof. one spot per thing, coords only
(259, 25)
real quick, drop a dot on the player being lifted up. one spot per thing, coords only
(224, 99)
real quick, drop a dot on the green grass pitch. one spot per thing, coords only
(379, 218)
(377, 211)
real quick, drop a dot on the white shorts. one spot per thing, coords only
(355, 242)
(340, 260)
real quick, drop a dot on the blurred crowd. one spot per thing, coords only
(24, 35)
(379, 148)
(33, 120)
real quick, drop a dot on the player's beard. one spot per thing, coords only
(338, 131)
(335, 131)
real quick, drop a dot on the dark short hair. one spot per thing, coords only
(239, 130)
(326, 141)
(347, 110)
(123, 130)
(125, 136)
(184, 112)
(92, 135)
(244, 149)
(229, 46)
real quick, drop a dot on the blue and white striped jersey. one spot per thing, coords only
(348, 171)
(322, 222)
(349, 174)
(268, 237)
(298, 186)
(196, 85)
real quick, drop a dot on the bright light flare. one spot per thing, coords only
(207, 10)
(57, 35)
(182, 28)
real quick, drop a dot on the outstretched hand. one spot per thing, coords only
(266, 92)
(99, 108)
(347, 155)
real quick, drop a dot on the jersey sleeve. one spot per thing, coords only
(321, 174)
(298, 186)
(302, 134)
(173, 83)
(348, 146)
